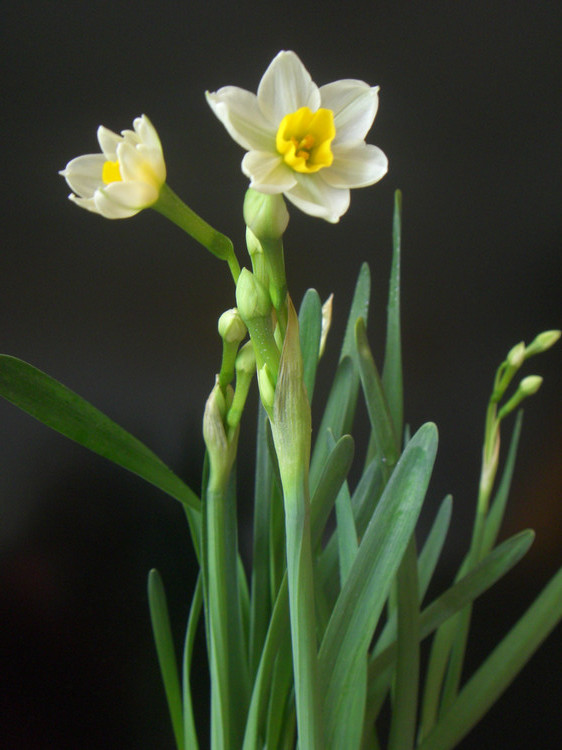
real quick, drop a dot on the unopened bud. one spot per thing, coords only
(252, 297)
(232, 328)
(542, 342)
(266, 215)
(267, 388)
(530, 385)
(516, 356)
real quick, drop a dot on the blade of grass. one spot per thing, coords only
(166, 652)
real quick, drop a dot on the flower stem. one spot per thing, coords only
(172, 207)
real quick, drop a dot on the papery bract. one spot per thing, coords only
(304, 141)
(125, 178)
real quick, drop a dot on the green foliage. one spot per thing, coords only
(328, 626)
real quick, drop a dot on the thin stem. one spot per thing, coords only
(172, 207)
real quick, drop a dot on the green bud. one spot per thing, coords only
(252, 297)
(542, 342)
(220, 448)
(291, 421)
(516, 355)
(232, 328)
(530, 385)
(267, 388)
(527, 387)
(266, 215)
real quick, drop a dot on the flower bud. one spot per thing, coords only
(542, 342)
(220, 447)
(266, 215)
(252, 297)
(516, 355)
(266, 385)
(232, 328)
(530, 385)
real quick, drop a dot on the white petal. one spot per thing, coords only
(267, 172)
(131, 195)
(154, 157)
(147, 132)
(109, 141)
(238, 111)
(354, 104)
(83, 174)
(135, 165)
(88, 203)
(356, 165)
(315, 197)
(285, 87)
(110, 209)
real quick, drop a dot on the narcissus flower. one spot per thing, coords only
(125, 178)
(304, 141)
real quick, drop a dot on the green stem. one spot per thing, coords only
(173, 208)
(302, 616)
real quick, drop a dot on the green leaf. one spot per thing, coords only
(279, 627)
(499, 669)
(166, 653)
(431, 551)
(406, 681)
(190, 732)
(64, 411)
(467, 589)
(337, 417)
(310, 330)
(377, 406)
(392, 369)
(335, 471)
(358, 607)
(359, 309)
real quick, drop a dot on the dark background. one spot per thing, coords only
(124, 313)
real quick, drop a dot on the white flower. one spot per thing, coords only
(125, 178)
(303, 141)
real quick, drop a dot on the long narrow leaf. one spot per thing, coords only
(485, 574)
(377, 405)
(310, 330)
(392, 368)
(499, 669)
(64, 411)
(346, 641)
(189, 728)
(166, 652)
(405, 698)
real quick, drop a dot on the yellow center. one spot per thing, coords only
(111, 172)
(304, 139)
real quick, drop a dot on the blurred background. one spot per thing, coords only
(125, 314)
